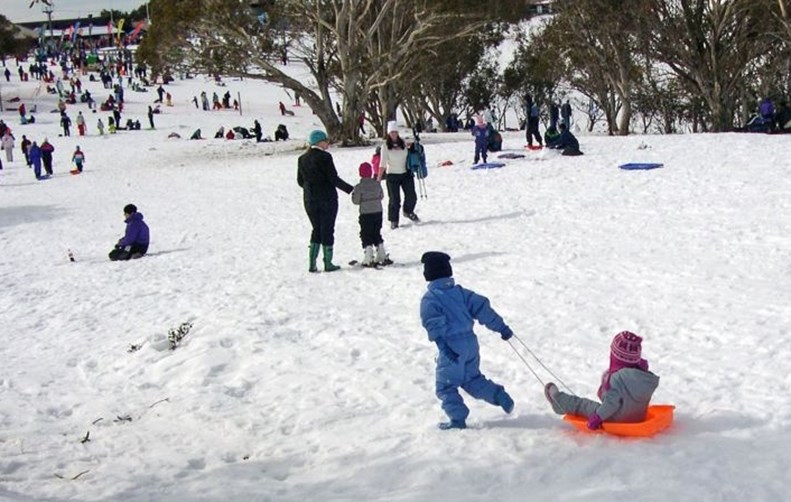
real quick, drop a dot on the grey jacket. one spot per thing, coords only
(629, 395)
(368, 194)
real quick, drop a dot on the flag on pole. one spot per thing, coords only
(120, 31)
(136, 31)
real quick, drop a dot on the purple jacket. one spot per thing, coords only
(766, 109)
(136, 231)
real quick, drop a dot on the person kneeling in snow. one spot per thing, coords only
(566, 142)
(134, 243)
(447, 311)
(625, 391)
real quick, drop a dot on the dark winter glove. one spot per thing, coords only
(447, 352)
(506, 334)
(594, 422)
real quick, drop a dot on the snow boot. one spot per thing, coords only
(381, 256)
(368, 257)
(328, 265)
(412, 216)
(453, 424)
(550, 392)
(504, 400)
(312, 256)
(393, 225)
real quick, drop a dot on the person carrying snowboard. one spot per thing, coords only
(448, 312)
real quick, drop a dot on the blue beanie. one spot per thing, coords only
(316, 137)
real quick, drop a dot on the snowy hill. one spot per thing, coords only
(296, 386)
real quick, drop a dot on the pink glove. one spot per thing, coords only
(594, 422)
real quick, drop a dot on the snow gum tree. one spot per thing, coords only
(352, 48)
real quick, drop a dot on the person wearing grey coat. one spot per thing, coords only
(625, 392)
(626, 401)
(368, 194)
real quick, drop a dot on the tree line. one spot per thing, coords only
(648, 65)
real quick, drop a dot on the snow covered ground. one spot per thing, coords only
(296, 386)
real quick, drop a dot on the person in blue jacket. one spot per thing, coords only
(134, 243)
(448, 312)
(34, 153)
(566, 142)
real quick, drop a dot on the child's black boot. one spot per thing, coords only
(453, 424)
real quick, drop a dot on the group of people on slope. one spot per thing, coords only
(558, 135)
(36, 156)
(319, 180)
(447, 310)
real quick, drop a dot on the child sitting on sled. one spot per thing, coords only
(448, 312)
(625, 391)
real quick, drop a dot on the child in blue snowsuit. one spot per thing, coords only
(481, 134)
(448, 312)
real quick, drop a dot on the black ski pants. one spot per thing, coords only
(371, 229)
(321, 214)
(532, 131)
(396, 183)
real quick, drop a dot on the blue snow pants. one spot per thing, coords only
(464, 373)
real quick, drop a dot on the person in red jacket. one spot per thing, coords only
(78, 158)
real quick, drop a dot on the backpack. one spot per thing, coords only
(416, 160)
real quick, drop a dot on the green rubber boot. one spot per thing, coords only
(313, 256)
(328, 265)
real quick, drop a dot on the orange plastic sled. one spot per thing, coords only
(657, 418)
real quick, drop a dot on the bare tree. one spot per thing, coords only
(707, 43)
(599, 36)
(352, 47)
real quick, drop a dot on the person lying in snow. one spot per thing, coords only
(448, 311)
(625, 391)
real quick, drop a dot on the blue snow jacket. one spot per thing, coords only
(448, 312)
(34, 153)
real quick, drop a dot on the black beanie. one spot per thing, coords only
(130, 209)
(436, 265)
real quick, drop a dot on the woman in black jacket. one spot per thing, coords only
(319, 180)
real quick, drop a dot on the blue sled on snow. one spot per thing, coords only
(640, 166)
(488, 165)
